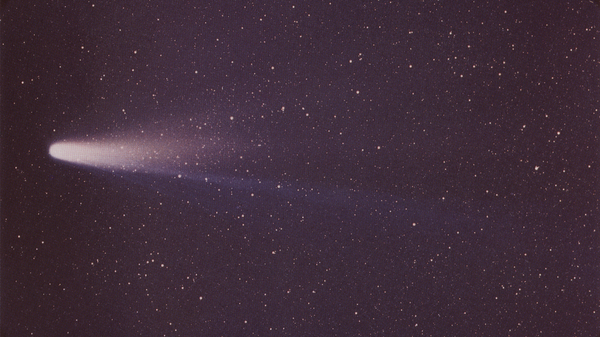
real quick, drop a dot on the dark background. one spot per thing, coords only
(439, 164)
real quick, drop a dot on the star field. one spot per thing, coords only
(362, 168)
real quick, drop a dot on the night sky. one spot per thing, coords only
(301, 168)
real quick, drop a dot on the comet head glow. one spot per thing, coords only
(103, 155)
(153, 153)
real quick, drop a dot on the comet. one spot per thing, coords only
(150, 153)
(195, 170)
(103, 156)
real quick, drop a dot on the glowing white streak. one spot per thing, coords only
(107, 155)
(151, 154)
